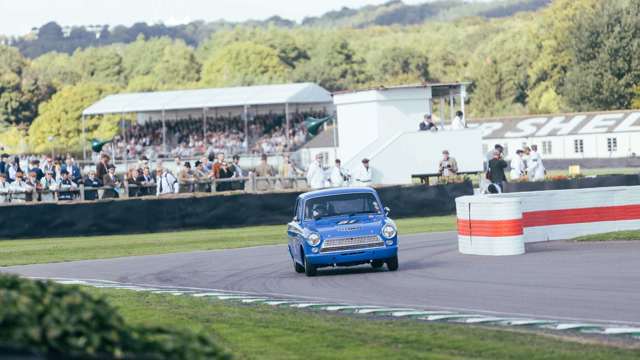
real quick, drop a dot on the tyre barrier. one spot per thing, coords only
(489, 226)
(543, 216)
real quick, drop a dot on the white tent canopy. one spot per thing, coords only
(302, 93)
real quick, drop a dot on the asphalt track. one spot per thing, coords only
(595, 282)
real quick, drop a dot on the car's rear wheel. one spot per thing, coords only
(392, 263)
(377, 264)
(309, 269)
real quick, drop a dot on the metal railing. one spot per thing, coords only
(247, 184)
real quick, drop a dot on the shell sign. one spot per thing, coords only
(559, 124)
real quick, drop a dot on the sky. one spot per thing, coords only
(17, 17)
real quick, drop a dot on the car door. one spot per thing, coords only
(294, 232)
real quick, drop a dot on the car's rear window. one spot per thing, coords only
(344, 204)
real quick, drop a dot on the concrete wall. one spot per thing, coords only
(420, 152)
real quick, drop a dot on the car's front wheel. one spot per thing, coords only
(309, 269)
(297, 267)
(392, 263)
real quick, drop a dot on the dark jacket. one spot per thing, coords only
(101, 170)
(74, 172)
(496, 171)
(224, 174)
(427, 126)
(88, 193)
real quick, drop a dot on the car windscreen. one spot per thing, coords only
(344, 204)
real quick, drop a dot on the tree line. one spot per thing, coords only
(573, 55)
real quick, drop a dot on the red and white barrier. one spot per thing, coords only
(544, 215)
(489, 226)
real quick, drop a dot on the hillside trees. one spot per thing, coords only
(605, 57)
(59, 125)
(21, 91)
(244, 63)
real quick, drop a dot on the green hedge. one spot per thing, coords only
(53, 320)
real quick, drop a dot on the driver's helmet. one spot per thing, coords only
(319, 210)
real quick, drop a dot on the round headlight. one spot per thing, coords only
(313, 239)
(388, 231)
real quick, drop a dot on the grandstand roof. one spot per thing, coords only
(301, 93)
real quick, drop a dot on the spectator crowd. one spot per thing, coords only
(265, 134)
(525, 165)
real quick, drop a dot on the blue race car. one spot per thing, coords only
(341, 227)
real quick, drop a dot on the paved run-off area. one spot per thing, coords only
(591, 282)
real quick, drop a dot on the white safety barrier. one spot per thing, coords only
(543, 216)
(489, 226)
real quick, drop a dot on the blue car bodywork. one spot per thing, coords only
(341, 227)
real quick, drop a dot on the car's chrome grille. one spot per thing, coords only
(351, 243)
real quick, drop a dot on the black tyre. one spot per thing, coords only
(377, 264)
(309, 270)
(392, 263)
(297, 267)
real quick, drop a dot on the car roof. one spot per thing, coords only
(337, 191)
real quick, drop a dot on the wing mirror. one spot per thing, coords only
(386, 210)
(295, 218)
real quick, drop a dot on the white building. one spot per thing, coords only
(382, 126)
(613, 134)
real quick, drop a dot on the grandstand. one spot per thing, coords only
(252, 119)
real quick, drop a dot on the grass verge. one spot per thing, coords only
(264, 332)
(36, 251)
(612, 236)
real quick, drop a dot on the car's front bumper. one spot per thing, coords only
(352, 257)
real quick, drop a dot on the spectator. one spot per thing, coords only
(146, 181)
(338, 176)
(66, 186)
(166, 183)
(489, 155)
(187, 178)
(112, 182)
(4, 188)
(288, 172)
(14, 168)
(237, 169)
(496, 171)
(535, 167)
(458, 122)
(362, 175)
(19, 188)
(224, 172)
(32, 181)
(238, 172)
(206, 164)
(73, 170)
(35, 166)
(131, 179)
(91, 183)
(48, 185)
(217, 165)
(315, 173)
(264, 170)
(201, 177)
(448, 165)
(102, 166)
(48, 164)
(517, 166)
(427, 124)
(57, 169)
(4, 166)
